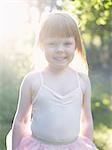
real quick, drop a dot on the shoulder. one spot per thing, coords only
(84, 77)
(84, 82)
(30, 78)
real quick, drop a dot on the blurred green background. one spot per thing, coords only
(17, 39)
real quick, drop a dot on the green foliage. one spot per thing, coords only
(15, 62)
(102, 109)
(103, 137)
(90, 12)
(96, 22)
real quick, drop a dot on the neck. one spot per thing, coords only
(57, 70)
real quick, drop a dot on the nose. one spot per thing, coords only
(60, 48)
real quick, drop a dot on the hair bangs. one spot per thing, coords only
(57, 26)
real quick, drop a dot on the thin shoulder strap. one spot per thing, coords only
(41, 78)
(78, 79)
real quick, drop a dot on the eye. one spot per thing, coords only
(51, 44)
(68, 43)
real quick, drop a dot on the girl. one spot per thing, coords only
(57, 98)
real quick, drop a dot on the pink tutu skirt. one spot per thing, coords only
(81, 143)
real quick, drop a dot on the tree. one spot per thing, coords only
(95, 22)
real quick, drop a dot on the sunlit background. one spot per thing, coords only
(18, 55)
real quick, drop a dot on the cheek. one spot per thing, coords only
(47, 51)
(71, 52)
(48, 54)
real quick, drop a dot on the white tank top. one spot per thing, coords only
(56, 118)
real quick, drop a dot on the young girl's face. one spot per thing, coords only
(59, 52)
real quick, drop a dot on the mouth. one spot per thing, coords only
(60, 58)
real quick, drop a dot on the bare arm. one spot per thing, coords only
(23, 112)
(86, 121)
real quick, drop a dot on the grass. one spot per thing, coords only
(103, 137)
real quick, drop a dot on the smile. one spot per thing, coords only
(60, 58)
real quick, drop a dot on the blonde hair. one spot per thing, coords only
(62, 24)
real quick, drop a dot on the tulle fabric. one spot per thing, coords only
(81, 143)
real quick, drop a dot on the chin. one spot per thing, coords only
(61, 66)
